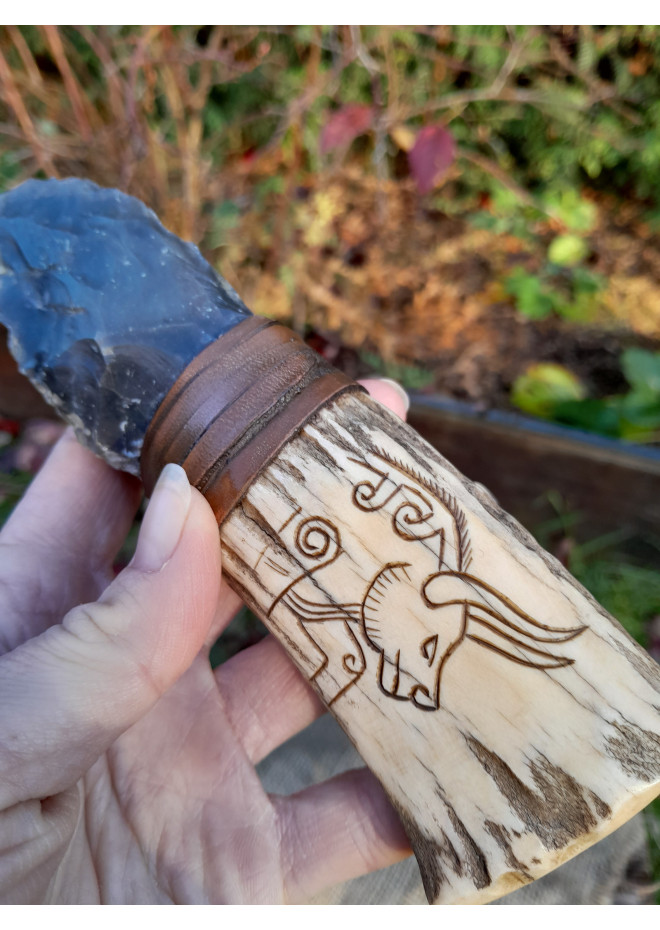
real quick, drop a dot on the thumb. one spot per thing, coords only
(68, 694)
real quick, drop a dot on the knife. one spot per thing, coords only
(510, 719)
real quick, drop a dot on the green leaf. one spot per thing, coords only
(587, 282)
(543, 387)
(531, 299)
(642, 369)
(591, 414)
(639, 414)
(567, 250)
(574, 211)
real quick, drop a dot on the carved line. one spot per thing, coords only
(417, 688)
(570, 633)
(284, 525)
(557, 661)
(441, 495)
(557, 635)
(277, 567)
(353, 663)
(319, 539)
(477, 582)
(315, 613)
(305, 528)
(444, 498)
(364, 494)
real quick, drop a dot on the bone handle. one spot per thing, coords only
(510, 719)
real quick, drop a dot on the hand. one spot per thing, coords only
(126, 764)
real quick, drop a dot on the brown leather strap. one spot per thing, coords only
(235, 406)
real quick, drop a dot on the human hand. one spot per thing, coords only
(127, 764)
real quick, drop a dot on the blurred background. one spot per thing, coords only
(471, 210)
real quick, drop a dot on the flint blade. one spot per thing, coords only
(104, 307)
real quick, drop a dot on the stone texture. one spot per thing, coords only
(104, 306)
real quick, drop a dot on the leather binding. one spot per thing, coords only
(233, 408)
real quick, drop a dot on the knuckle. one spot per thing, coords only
(91, 624)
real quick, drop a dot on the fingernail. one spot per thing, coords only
(400, 391)
(163, 521)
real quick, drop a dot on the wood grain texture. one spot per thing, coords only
(510, 719)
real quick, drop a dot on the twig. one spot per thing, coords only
(110, 69)
(361, 53)
(594, 84)
(491, 167)
(70, 83)
(15, 101)
(509, 64)
(27, 58)
(380, 130)
(507, 95)
(297, 107)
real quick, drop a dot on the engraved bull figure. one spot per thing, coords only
(388, 619)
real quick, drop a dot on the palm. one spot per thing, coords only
(170, 808)
(178, 794)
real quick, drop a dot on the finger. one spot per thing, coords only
(390, 393)
(266, 698)
(229, 604)
(69, 693)
(336, 831)
(57, 547)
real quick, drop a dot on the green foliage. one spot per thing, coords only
(12, 488)
(575, 109)
(631, 593)
(633, 416)
(410, 376)
(532, 298)
(226, 217)
(571, 294)
(10, 169)
(547, 106)
(567, 250)
(506, 215)
(543, 387)
(642, 371)
(571, 209)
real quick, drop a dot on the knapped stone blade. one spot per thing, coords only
(104, 307)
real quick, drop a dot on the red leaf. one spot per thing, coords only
(431, 156)
(344, 125)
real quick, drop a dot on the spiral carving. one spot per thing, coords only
(412, 516)
(354, 662)
(366, 495)
(317, 538)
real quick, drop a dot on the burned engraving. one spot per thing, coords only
(435, 596)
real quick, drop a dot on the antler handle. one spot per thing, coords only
(510, 719)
